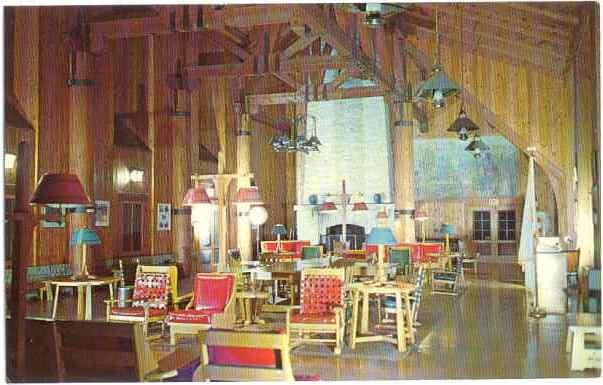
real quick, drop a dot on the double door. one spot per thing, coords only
(495, 232)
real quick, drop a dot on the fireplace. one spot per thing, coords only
(355, 235)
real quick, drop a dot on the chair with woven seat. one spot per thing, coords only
(176, 300)
(389, 302)
(150, 300)
(321, 310)
(228, 355)
(212, 305)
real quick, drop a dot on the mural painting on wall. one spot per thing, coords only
(444, 170)
(164, 217)
(101, 213)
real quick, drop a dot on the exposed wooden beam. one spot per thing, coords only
(249, 68)
(217, 39)
(542, 12)
(132, 27)
(248, 17)
(288, 79)
(299, 45)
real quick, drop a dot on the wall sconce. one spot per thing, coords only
(9, 161)
(136, 175)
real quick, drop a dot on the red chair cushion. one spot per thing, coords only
(269, 246)
(212, 291)
(151, 288)
(192, 316)
(320, 293)
(137, 311)
(317, 318)
(242, 356)
(307, 377)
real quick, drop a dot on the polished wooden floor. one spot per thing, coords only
(483, 333)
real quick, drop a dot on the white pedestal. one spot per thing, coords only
(551, 275)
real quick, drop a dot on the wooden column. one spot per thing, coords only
(22, 255)
(243, 168)
(400, 107)
(81, 154)
(181, 176)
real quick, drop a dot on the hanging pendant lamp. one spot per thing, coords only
(439, 86)
(462, 125)
(477, 147)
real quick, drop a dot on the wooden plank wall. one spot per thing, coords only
(536, 104)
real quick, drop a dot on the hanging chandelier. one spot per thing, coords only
(462, 125)
(439, 86)
(297, 142)
(477, 147)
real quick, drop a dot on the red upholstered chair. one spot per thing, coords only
(321, 310)
(212, 305)
(228, 355)
(149, 300)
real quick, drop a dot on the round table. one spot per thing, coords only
(84, 299)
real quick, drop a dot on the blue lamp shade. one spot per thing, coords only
(447, 229)
(84, 237)
(279, 230)
(381, 236)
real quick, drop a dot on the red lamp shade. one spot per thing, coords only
(327, 207)
(196, 196)
(360, 206)
(59, 189)
(382, 215)
(249, 195)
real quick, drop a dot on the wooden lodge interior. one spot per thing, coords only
(346, 191)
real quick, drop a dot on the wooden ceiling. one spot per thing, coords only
(291, 43)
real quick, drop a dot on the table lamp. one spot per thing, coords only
(447, 230)
(381, 236)
(84, 237)
(258, 216)
(278, 230)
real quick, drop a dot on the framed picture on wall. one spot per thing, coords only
(55, 215)
(164, 216)
(101, 213)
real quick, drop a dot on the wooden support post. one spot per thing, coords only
(243, 168)
(181, 160)
(22, 244)
(81, 154)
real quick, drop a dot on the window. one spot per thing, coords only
(132, 227)
(481, 225)
(506, 225)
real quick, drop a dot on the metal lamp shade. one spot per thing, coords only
(447, 229)
(381, 236)
(84, 236)
(279, 229)
(477, 147)
(360, 206)
(59, 189)
(249, 195)
(327, 207)
(196, 196)
(437, 87)
(463, 126)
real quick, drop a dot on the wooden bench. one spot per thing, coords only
(583, 356)
(84, 351)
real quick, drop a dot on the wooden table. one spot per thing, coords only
(84, 299)
(250, 301)
(401, 291)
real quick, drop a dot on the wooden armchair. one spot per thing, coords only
(212, 305)
(84, 351)
(321, 310)
(176, 300)
(150, 300)
(228, 355)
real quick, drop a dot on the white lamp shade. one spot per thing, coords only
(258, 215)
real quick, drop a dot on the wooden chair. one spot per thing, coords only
(84, 351)
(389, 303)
(212, 305)
(105, 352)
(402, 257)
(172, 271)
(321, 310)
(150, 300)
(228, 355)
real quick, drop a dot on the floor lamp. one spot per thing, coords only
(258, 216)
